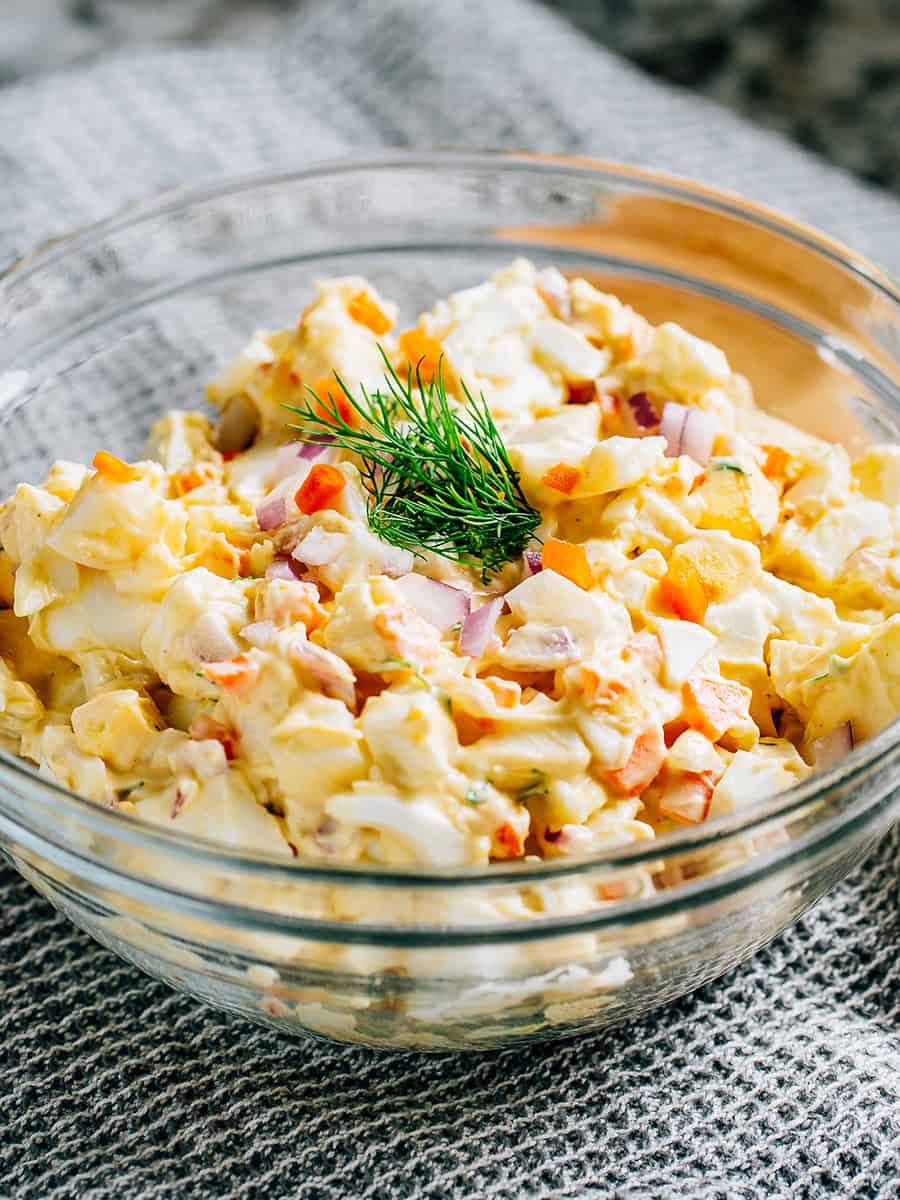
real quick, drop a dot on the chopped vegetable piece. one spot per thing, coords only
(507, 842)
(478, 628)
(235, 675)
(422, 353)
(205, 727)
(643, 764)
(271, 513)
(565, 558)
(435, 601)
(713, 706)
(114, 469)
(777, 461)
(562, 478)
(640, 408)
(533, 562)
(687, 799)
(331, 404)
(319, 489)
(364, 310)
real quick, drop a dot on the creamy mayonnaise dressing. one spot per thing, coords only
(214, 640)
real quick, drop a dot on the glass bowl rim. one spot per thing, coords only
(110, 823)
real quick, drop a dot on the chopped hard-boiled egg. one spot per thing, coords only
(528, 576)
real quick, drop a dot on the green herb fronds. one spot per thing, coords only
(393, 663)
(437, 479)
(836, 666)
(729, 466)
(536, 787)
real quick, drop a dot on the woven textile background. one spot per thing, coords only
(782, 1080)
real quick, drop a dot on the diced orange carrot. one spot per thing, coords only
(331, 398)
(295, 602)
(687, 799)
(713, 706)
(565, 558)
(777, 461)
(408, 635)
(682, 590)
(645, 646)
(597, 691)
(562, 478)
(643, 764)
(423, 353)
(114, 469)
(507, 842)
(616, 889)
(204, 727)
(236, 675)
(320, 488)
(193, 477)
(364, 310)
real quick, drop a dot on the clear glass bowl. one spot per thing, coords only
(107, 329)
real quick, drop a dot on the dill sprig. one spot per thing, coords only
(436, 479)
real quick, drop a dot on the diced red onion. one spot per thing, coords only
(698, 438)
(688, 431)
(435, 601)
(317, 449)
(286, 457)
(318, 548)
(297, 457)
(395, 561)
(533, 562)
(211, 640)
(642, 412)
(671, 426)
(833, 746)
(333, 674)
(258, 633)
(280, 568)
(271, 513)
(478, 628)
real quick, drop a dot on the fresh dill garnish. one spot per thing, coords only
(729, 466)
(837, 665)
(437, 479)
(537, 787)
(393, 663)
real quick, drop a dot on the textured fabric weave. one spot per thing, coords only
(782, 1080)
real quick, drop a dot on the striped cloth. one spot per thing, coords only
(782, 1079)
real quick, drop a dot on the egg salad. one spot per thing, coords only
(530, 578)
